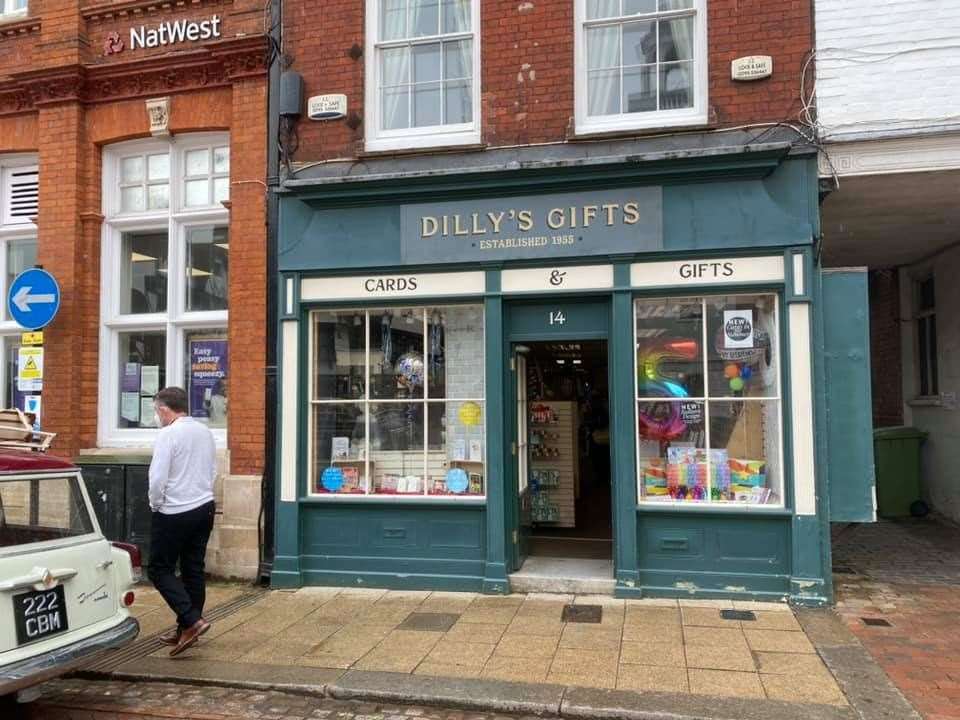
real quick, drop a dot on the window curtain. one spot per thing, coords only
(603, 52)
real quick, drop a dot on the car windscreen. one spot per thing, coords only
(39, 509)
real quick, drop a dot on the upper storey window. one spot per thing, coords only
(423, 73)
(640, 64)
(11, 8)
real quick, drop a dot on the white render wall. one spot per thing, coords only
(941, 451)
(887, 67)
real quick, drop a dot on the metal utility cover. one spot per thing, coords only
(582, 613)
(429, 622)
(745, 615)
(876, 622)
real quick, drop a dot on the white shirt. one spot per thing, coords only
(183, 468)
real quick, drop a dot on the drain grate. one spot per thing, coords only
(745, 615)
(150, 644)
(582, 613)
(876, 622)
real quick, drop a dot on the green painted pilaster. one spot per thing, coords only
(495, 572)
(623, 461)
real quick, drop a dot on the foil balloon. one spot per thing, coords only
(652, 381)
(409, 369)
(655, 427)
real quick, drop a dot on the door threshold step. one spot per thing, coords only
(564, 575)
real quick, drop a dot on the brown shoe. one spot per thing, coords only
(171, 638)
(190, 636)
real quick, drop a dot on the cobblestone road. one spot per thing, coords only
(906, 573)
(111, 700)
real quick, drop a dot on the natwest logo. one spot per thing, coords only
(167, 33)
(113, 44)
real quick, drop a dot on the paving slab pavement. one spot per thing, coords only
(519, 654)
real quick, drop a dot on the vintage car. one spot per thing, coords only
(64, 589)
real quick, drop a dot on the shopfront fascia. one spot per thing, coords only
(402, 308)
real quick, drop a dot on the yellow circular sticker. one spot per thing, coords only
(470, 413)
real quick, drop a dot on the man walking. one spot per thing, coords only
(181, 498)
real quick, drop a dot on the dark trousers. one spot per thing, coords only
(181, 539)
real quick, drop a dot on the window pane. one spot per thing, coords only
(143, 273)
(602, 9)
(158, 167)
(923, 356)
(396, 353)
(143, 371)
(158, 197)
(19, 4)
(603, 47)
(456, 16)
(640, 89)
(666, 5)
(455, 461)
(208, 255)
(424, 17)
(393, 16)
(207, 373)
(745, 436)
(339, 354)
(741, 357)
(21, 255)
(132, 199)
(221, 159)
(639, 43)
(426, 105)
(457, 60)
(198, 162)
(671, 449)
(455, 352)
(603, 88)
(457, 102)
(221, 189)
(395, 66)
(676, 39)
(396, 448)
(41, 510)
(396, 108)
(131, 170)
(669, 352)
(426, 62)
(676, 86)
(198, 193)
(638, 7)
(339, 449)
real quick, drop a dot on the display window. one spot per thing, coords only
(708, 400)
(397, 402)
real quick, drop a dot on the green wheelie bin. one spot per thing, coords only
(896, 456)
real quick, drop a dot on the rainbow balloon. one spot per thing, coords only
(653, 383)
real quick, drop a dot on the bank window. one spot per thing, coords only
(164, 291)
(640, 63)
(424, 62)
(397, 402)
(926, 324)
(708, 400)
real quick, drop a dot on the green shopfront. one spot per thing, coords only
(446, 340)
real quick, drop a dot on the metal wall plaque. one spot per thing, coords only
(541, 227)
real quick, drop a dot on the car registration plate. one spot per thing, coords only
(39, 614)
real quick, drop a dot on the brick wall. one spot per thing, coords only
(527, 87)
(885, 346)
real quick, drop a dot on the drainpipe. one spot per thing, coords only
(268, 484)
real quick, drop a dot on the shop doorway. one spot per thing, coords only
(564, 479)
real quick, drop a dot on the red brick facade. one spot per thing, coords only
(527, 83)
(64, 99)
(885, 348)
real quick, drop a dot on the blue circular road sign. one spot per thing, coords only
(33, 299)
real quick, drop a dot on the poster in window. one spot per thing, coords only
(737, 329)
(130, 382)
(149, 380)
(209, 363)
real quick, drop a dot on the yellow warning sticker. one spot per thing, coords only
(29, 368)
(32, 338)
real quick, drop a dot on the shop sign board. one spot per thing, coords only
(33, 299)
(401, 285)
(713, 271)
(601, 222)
(557, 279)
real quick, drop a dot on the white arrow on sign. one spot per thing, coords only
(23, 299)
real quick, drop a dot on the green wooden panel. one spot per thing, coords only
(563, 318)
(849, 430)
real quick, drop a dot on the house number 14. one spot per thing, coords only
(557, 317)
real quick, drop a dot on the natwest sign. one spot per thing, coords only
(176, 31)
